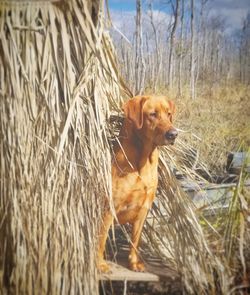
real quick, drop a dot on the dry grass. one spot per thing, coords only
(220, 120)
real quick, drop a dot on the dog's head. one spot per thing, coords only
(152, 118)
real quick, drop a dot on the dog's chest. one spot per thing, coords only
(134, 189)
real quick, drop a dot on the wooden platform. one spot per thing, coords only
(159, 278)
(120, 273)
(156, 269)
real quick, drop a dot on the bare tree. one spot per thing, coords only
(245, 51)
(181, 50)
(158, 56)
(200, 39)
(198, 51)
(139, 59)
(192, 65)
(175, 10)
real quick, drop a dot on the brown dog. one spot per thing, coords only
(147, 124)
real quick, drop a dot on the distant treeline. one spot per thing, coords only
(185, 44)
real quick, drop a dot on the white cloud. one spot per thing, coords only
(121, 19)
(161, 20)
(159, 17)
(125, 21)
(233, 12)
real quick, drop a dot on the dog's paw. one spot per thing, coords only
(137, 266)
(103, 267)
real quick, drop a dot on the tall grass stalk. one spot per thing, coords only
(237, 236)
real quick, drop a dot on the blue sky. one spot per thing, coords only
(130, 5)
(122, 5)
(232, 11)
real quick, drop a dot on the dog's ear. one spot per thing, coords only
(172, 109)
(133, 110)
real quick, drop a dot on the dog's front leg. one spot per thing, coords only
(134, 262)
(106, 223)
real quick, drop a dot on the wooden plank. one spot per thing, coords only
(120, 273)
(157, 271)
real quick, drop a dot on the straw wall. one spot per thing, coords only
(57, 80)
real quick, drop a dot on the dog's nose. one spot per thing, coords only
(171, 134)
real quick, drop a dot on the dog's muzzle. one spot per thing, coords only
(171, 134)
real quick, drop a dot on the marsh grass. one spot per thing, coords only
(220, 120)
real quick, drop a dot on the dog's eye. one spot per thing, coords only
(169, 114)
(153, 114)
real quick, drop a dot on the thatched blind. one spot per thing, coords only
(57, 78)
